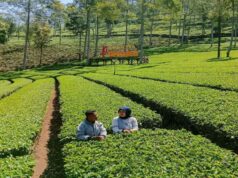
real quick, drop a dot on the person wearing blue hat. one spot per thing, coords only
(124, 122)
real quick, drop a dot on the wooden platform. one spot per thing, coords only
(121, 60)
(131, 57)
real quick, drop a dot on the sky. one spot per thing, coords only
(66, 1)
(4, 10)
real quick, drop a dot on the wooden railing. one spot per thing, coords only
(121, 54)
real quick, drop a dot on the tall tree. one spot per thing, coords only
(142, 29)
(27, 35)
(219, 27)
(76, 24)
(58, 16)
(153, 10)
(232, 29)
(41, 35)
(172, 9)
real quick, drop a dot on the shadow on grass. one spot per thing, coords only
(59, 67)
(11, 75)
(146, 67)
(55, 167)
(222, 59)
(178, 48)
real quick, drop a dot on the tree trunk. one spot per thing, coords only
(235, 35)
(236, 25)
(142, 31)
(27, 34)
(126, 35)
(60, 31)
(179, 32)
(151, 31)
(97, 37)
(41, 55)
(183, 30)
(189, 28)
(152, 26)
(85, 44)
(203, 25)
(232, 31)
(18, 33)
(170, 31)
(80, 46)
(88, 36)
(219, 31)
(212, 34)
(109, 29)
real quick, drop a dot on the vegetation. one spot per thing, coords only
(150, 23)
(185, 98)
(4, 83)
(92, 96)
(7, 89)
(205, 108)
(16, 167)
(149, 153)
(14, 139)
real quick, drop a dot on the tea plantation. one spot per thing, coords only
(186, 106)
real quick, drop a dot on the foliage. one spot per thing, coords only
(204, 107)
(4, 83)
(3, 31)
(8, 89)
(25, 106)
(196, 68)
(21, 166)
(79, 95)
(159, 153)
(41, 34)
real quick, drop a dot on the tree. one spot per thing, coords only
(219, 13)
(153, 11)
(27, 34)
(142, 29)
(26, 10)
(110, 11)
(76, 24)
(3, 31)
(89, 6)
(185, 13)
(41, 36)
(7, 28)
(58, 15)
(172, 8)
(232, 29)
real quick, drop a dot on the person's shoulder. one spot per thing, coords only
(99, 123)
(133, 118)
(82, 124)
(115, 118)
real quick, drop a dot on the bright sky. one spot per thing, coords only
(66, 1)
(4, 10)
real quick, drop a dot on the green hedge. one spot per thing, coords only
(21, 116)
(16, 167)
(196, 68)
(79, 95)
(6, 90)
(159, 153)
(4, 83)
(204, 108)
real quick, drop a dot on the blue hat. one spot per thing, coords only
(127, 110)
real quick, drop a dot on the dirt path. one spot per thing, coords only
(40, 148)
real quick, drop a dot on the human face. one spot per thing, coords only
(92, 117)
(122, 113)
